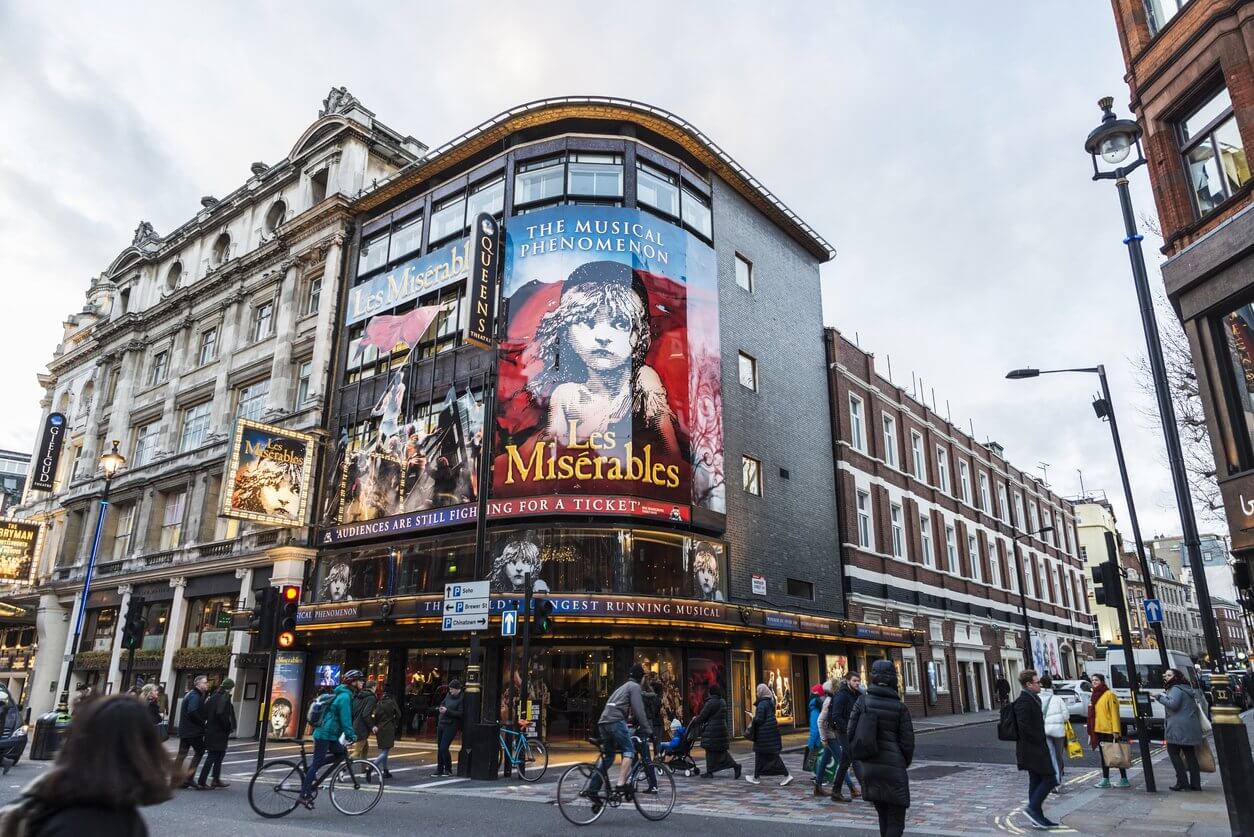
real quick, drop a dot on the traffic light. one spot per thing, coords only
(542, 617)
(289, 603)
(261, 620)
(1106, 587)
(134, 626)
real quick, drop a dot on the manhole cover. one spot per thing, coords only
(935, 771)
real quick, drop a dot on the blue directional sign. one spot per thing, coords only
(509, 623)
(1153, 611)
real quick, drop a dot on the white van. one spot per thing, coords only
(1149, 666)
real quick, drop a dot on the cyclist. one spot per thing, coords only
(625, 702)
(336, 723)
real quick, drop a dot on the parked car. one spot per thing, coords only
(1076, 694)
(1240, 698)
(12, 731)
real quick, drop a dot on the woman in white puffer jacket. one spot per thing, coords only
(1056, 715)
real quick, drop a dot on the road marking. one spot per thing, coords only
(441, 782)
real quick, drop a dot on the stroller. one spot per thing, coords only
(680, 759)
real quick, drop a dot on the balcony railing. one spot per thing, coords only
(212, 551)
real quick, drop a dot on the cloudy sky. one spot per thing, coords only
(938, 146)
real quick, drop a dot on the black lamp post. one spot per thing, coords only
(110, 463)
(1023, 596)
(1105, 409)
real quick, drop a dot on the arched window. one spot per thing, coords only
(221, 249)
(84, 402)
(275, 216)
(124, 301)
(173, 275)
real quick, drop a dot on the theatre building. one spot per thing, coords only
(660, 458)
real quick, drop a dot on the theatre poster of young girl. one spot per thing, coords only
(609, 376)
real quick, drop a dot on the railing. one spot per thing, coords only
(157, 559)
(216, 549)
(109, 568)
(268, 538)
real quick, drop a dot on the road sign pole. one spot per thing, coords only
(526, 643)
(1134, 678)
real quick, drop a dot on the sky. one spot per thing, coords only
(937, 146)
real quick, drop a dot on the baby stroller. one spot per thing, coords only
(679, 759)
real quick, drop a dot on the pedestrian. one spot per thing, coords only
(885, 783)
(1184, 729)
(1003, 689)
(385, 721)
(163, 701)
(1104, 726)
(148, 695)
(649, 694)
(335, 723)
(109, 765)
(446, 729)
(1032, 748)
(363, 705)
(844, 698)
(219, 724)
(1056, 717)
(82, 693)
(815, 706)
(714, 737)
(191, 729)
(767, 743)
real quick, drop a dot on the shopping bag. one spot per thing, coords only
(1205, 758)
(807, 761)
(1117, 754)
(1074, 750)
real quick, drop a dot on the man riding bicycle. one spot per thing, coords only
(336, 722)
(626, 702)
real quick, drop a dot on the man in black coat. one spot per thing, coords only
(192, 719)
(712, 720)
(1032, 749)
(219, 724)
(838, 716)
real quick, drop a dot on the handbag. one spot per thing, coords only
(1117, 754)
(1206, 724)
(808, 760)
(1074, 750)
(1205, 758)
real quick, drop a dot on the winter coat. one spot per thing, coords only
(884, 777)
(387, 719)
(1184, 717)
(766, 740)
(154, 712)
(1031, 747)
(337, 716)
(192, 715)
(1105, 717)
(1056, 714)
(219, 720)
(96, 820)
(713, 717)
(653, 709)
(842, 708)
(452, 714)
(363, 706)
(815, 706)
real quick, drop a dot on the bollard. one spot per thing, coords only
(1232, 752)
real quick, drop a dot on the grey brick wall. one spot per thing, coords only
(790, 531)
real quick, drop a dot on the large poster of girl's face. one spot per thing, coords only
(610, 368)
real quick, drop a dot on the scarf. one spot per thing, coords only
(1098, 691)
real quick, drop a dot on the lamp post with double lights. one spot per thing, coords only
(110, 464)
(1023, 597)
(1105, 410)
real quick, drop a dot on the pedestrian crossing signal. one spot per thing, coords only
(289, 604)
(542, 617)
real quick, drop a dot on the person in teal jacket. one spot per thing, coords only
(336, 723)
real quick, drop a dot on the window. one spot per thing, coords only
(263, 321)
(374, 253)
(1213, 154)
(1048, 523)
(857, 434)
(986, 501)
(203, 630)
(1238, 338)
(594, 175)
(208, 351)
(156, 618)
(916, 449)
(925, 540)
(748, 372)
(406, 238)
(160, 369)
(313, 296)
(751, 475)
(1029, 576)
(696, 213)
(274, 216)
(659, 190)
(994, 564)
(1046, 593)
(973, 555)
(800, 589)
(318, 186)
(951, 548)
(910, 670)
(448, 218)
(538, 180)
(195, 427)
(485, 196)
(744, 273)
(941, 670)
(172, 519)
(251, 400)
(221, 249)
(1034, 518)
(897, 518)
(942, 468)
(890, 439)
(173, 275)
(123, 525)
(964, 480)
(1159, 12)
(303, 373)
(864, 520)
(146, 437)
(1002, 505)
(1018, 521)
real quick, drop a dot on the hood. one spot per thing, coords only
(1188, 690)
(344, 688)
(884, 673)
(764, 692)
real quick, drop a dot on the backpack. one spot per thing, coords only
(318, 710)
(866, 737)
(1007, 724)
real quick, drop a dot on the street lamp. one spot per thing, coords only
(110, 464)
(1023, 597)
(1104, 408)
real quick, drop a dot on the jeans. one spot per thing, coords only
(445, 733)
(213, 762)
(1039, 786)
(324, 751)
(892, 819)
(831, 750)
(1058, 755)
(1101, 738)
(1180, 754)
(197, 746)
(382, 760)
(846, 761)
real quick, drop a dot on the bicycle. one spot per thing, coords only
(650, 787)
(356, 785)
(529, 757)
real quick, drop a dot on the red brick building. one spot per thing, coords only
(936, 533)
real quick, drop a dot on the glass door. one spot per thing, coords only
(742, 690)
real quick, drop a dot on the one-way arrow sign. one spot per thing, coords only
(1153, 611)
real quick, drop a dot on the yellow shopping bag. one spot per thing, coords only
(1074, 750)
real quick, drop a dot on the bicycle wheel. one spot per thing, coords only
(535, 761)
(656, 804)
(356, 787)
(577, 804)
(275, 789)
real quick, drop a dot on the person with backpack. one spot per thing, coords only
(1056, 718)
(363, 706)
(881, 736)
(384, 723)
(219, 724)
(1031, 746)
(833, 716)
(331, 726)
(192, 719)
